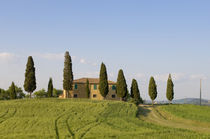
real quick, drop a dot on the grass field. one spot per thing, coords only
(193, 112)
(56, 118)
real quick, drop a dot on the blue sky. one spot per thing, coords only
(143, 37)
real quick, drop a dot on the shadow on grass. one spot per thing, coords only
(143, 111)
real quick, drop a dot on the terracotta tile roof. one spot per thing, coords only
(91, 81)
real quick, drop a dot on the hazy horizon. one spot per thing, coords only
(144, 38)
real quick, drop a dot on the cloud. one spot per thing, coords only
(6, 56)
(87, 74)
(52, 56)
(198, 76)
(82, 61)
(175, 77)
(180, 77)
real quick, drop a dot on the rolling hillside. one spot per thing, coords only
(56, 118)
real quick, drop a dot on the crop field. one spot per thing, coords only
(193, 112)
(57, 118)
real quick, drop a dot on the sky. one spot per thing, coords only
(143, 37)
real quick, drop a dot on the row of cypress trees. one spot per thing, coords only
(122, 91)
(153, 89)
(121, 88)
(30, 80)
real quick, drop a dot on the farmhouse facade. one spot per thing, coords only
(79, 90)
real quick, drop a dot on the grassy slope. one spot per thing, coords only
(54, 118)
(166, 116)
(193, 112)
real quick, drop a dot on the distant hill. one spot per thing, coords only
(191, 101)
(195, 101)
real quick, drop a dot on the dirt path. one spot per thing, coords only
(155, 115)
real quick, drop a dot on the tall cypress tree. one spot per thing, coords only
(170, 89)
(122, 89)
(12, 91)
(50, 88)
(30, 78)
(135, 93)
(67, 74)
(87, 88)
(103, 81)
(152, 89)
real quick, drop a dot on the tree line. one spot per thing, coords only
(122, 92)
(121, 87)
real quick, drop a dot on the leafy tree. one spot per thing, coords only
(4, 95)
(41, 94)
(152, 89)
(121, 88)
(170, 89)
(103, 82)
(57, 92)
(18, 91)
(135, 93)
(50, 88)
(12, 92)
(87, 89)
(67, 73)
(30, 78)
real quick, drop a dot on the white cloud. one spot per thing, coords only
(87, 74)
(161, 77)
(197, 76)
(175, 76)
(6, 56)
(140, 75)
(52, 56)
(82, 61)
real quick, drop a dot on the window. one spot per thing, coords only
(95, 86)
(113, 87)
(113, 96)
(75, 86)
(94, 95)
(75, 95)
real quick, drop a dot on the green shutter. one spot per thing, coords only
(95, 86)
(75, 86)
(113, 87)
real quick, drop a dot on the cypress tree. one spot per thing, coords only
(67, 74)
(30, 78)
(50, 88)
(12, 91)
(121, 88)
(103, 81)
(87, 89)
(152, 89)
(135, 93)
(170, 89)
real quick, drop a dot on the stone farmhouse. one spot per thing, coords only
(79, 90)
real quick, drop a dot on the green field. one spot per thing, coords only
(56, 118)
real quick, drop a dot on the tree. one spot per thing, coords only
(121, 88)
(170, 89)
(12, 92)
(135, 93)
(19, 92)
(50, 88)
(152, 89)
(67, 74)
(103, 81)
(4, 95)
(87, 88)
(30, 78)
(41, 94)
(57, 92)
